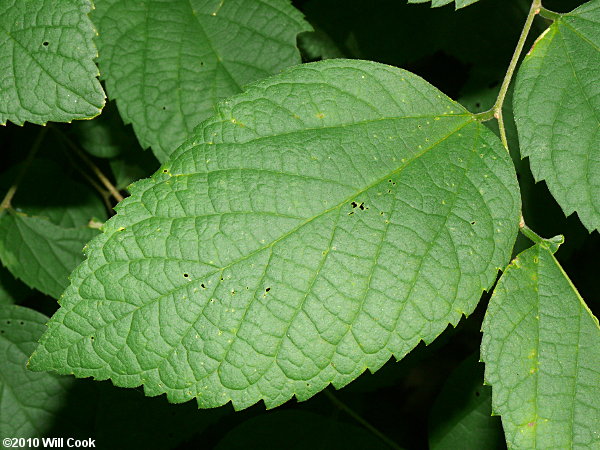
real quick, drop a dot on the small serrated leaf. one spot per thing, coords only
(541, 347)
(557, 111)
(47, 59)
(291, 244)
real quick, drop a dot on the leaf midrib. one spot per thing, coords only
(273, 242)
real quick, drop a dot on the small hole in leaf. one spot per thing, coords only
(201, 63)
(473, 222)
(164, 108)
(45, 43)
(186, 275)
(354, 204)
(92, 338)
(165, 170)
(268, 289)
(22, 323)
(202, 286)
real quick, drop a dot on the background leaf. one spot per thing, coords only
(47, 58)
(318, 243)
(168, 62)
(40, 253)
(42, 238)
(11, 289)
(437, 3)
(541, 347)
(557, 111)
(298, 430)
(29, 400)
(462, 414)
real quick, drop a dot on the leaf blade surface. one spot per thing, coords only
(30, 401)
(557, 111)
(168, 62)
(540, 345)
(266, 247)
(47, 54)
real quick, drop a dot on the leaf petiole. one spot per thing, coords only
(496, 110)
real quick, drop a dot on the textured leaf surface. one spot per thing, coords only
(39, 252)
(541, 347)
(327, 219)
(557, 111)
(309, 430)
(436, 3)
(461, 416)
(29, 400)
(47, 59)
(167, 62)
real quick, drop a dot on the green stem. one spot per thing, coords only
(550, 15)
(496, 110)
(12, 190)
(342, 406)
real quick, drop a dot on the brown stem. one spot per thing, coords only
(103, 179)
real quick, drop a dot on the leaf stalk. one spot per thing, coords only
(496, 110)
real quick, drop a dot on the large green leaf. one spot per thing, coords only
(167, 62)
(557, 111)
(47, 59)
(30, 401)
(437, 3)
(541, 347)
(323, 221)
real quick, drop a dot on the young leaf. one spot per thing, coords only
(541, 347)
(323, 221)
(168, 62)
(436, 3)
(47, 59)
(29, 401)
(557, 111)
